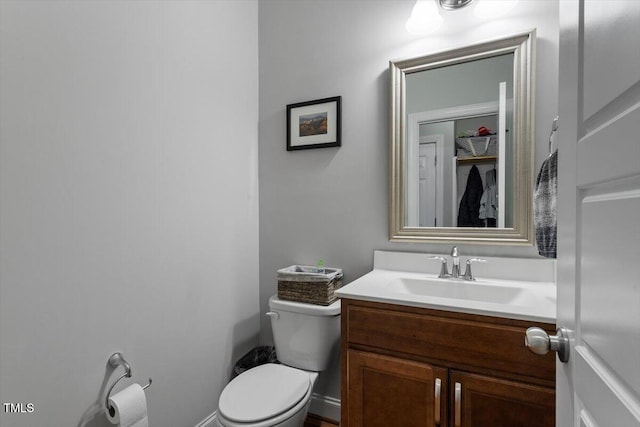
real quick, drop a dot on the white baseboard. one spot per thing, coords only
(324, 406)
(209, 421)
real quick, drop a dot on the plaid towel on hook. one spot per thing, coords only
(544, 206)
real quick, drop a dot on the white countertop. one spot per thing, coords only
(512, 298)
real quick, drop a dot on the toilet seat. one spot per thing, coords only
(263, 393)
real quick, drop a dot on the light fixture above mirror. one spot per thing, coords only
(426, 17)
(454, 4)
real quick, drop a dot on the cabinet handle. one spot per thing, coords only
(458, 405)
(438, 391)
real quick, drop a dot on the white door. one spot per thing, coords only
(428, 184)
(599, 213)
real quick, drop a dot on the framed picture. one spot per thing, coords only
(313, 124)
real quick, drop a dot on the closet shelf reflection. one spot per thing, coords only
(479, 159)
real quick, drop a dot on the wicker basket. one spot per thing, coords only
(304, 284)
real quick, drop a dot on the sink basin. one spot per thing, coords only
(443, 288)
(508, 288)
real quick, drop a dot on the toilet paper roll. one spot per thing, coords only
(128, 408)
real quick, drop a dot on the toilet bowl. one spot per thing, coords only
(270, 395)
(265, 396)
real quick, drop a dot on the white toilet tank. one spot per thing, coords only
(305, 335)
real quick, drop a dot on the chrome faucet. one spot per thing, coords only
(455, 268)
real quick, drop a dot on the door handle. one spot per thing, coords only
(436, 409)
(539, 342)
(457, 409)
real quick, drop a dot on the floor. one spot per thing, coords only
(317, 421)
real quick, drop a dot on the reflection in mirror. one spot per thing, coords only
(462, 145)
(453, 116)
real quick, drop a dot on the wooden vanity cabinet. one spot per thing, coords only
(414, 367)
(490, 401)
(389, 391)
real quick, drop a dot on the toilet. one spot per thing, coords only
(305, 337)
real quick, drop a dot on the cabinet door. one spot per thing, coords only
(486, 401)
(387, 391)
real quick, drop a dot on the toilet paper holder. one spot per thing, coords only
(115, 360)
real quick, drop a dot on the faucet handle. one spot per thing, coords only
(444, 271)
(468, 275)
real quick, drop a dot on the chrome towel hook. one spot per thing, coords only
(115, 360)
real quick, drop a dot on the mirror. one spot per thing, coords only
(461, 158)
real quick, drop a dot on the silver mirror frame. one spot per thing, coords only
(523, 48)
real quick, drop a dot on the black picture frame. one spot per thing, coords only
(314, 124)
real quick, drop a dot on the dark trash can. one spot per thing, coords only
(255, 357)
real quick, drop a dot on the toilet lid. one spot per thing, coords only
(263, 392)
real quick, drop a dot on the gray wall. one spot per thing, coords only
(332, 203)
(129, 203)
